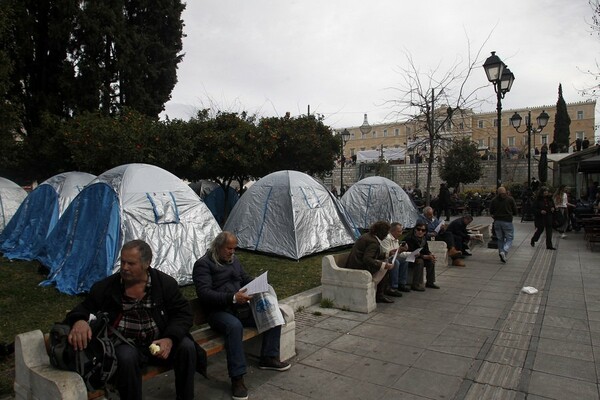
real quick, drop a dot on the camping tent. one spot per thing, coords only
(133, 201)
(379, 199)
(213, 195)
(11, 197)
(290, 214)
(38, 214)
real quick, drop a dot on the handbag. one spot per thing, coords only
(97, 363)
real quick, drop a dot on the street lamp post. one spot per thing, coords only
(542, 121)
(500, 76)
(344, 136)
(498, 73)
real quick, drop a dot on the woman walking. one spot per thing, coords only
(561, 201)
(543, 207)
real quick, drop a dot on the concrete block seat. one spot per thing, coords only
(440, 251)
(349, 289)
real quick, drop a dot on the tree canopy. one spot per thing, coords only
(562, 121)
(461, 164)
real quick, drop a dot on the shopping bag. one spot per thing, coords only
(265, 309)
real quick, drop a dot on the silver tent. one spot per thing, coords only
(379, 199)
(289, 213)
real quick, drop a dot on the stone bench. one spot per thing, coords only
(349, 289)
(439, 249)
(37, 379)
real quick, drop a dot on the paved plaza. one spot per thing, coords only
(478, 337)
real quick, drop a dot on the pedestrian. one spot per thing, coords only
(443, 202)
(502, 210)
(561, 201)
(543, 207)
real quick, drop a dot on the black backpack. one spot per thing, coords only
(97, 363)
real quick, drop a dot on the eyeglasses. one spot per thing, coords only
(420, 229)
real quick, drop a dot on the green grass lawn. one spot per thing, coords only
(25, 306)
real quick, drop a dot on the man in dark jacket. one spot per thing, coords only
(219, 277)
(502, 209)
(458, 229)
(146, 306)
(366, 254)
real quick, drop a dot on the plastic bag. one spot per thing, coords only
(529, 290)
(265, 309)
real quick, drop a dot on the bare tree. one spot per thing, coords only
(434, 101)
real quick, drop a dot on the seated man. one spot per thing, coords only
(366, 254)
(146, 306)
(218, 277)
(431, 222)
(458, 229)
(389, 246)
(416, 239)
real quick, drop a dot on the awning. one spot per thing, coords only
(592, 164)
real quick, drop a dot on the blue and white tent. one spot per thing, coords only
(39, 213)
(213, 195)
(289, 213)
(379, 199)
(132, 201)
(11, 197)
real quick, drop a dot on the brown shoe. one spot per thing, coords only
(452, 252)
(458, 262)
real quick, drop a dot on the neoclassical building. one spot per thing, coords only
(409, 138)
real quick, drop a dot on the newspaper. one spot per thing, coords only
(258, 285)
(412, 256)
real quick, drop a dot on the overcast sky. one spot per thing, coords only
(341, 57)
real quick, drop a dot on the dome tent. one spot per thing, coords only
(289, 213)
(379, 199)
(132, 201)
(39, 213)
(213, 195)
(11, 197)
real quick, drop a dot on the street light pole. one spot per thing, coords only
(500, 76)
(542, 121)
(344, 137)
(498, 73)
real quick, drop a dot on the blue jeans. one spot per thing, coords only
(233, 330)
(399, 274)
(505, 232)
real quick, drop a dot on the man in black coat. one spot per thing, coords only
(146, 306)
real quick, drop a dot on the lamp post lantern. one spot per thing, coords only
(500, 76)
(542, 121)
(344, 137)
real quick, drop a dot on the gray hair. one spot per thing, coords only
(142, 247)
(217, 243)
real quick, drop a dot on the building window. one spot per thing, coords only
(363, 135)
(480, 143)
(480, 123)
(352, 136)
(579, 135)
(580, 114)
(544, 139)
(407, 130)
(461, 125)
(385, 133)
(495, 122)
(351, 152)
(374, 134)
(511, 141)
(396, 132)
